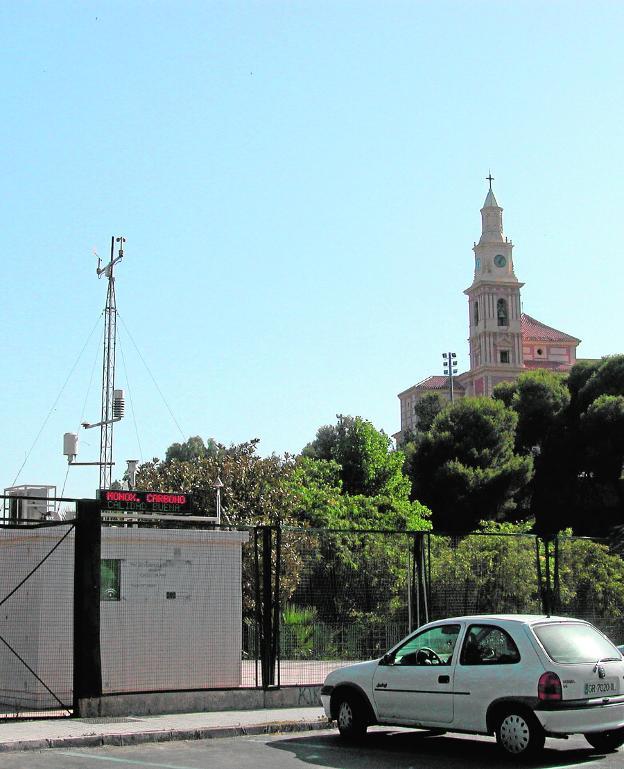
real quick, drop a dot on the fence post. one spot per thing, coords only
(544, 578)
(275, 638)
(410, 582)
(538, 571)
(556, 590)
(548, 601)
(267, 658)
(87, 555)
(258, 648)
(421, 588)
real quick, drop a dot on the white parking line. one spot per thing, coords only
(124, 760)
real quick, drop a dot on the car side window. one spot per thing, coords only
(488, 645)
(434, 646)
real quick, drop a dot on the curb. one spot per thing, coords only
(166, 735)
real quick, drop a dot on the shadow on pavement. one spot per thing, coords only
(421, 750)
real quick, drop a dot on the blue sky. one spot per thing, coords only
(299, 184)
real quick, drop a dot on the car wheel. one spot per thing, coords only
(351, 722)
(606, 742)
(519, 733)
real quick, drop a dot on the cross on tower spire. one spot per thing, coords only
(490, 179)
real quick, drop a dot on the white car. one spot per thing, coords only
(520, 677)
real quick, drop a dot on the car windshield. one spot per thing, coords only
(574, 642)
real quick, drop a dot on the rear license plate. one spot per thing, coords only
(606, 686)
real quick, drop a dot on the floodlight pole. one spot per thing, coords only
(450, 368)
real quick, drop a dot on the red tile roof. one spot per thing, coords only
(438, 383)
(533, 330)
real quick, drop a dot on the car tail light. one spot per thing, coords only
(549, 687)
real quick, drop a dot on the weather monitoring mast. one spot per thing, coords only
(112, 400)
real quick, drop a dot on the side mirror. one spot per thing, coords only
(387, 659)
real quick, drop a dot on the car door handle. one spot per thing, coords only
(444, 679)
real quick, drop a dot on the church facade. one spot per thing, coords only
(504, 341)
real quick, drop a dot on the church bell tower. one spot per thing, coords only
(494, 307)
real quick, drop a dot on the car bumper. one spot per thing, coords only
(325, 699)
(598, 717)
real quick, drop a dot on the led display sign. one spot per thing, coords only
(145, 501)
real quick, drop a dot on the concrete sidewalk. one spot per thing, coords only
(132, 730)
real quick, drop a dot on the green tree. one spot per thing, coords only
(606, 379)
(322, 503)
(497, 574)
(465, 468)
(578, 376)
(256, 491)
(482, 574)
(602, 428)
(368, 465)
(324, 443)
(539, 399)
(592, 583)
(578, 472)
(504, 392)
(193, 448)
(427, 409)
(354, 555)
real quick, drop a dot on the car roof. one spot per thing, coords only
(523, 619)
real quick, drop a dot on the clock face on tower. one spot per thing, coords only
(499, 260)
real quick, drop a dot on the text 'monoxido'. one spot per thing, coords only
(144, 501)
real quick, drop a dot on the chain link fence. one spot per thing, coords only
(36, 607)
(351, 595)
(345, 599)
(93, 609)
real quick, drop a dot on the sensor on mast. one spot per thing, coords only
(108, 270)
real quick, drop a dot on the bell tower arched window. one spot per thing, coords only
(476, 313)
(501, 312)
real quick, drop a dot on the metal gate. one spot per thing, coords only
(36, 613)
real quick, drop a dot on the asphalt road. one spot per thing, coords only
(383, 749)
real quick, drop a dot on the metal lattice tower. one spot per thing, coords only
(108, 368)
(112, 400)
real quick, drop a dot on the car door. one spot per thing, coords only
(490, 666)
(414, 683)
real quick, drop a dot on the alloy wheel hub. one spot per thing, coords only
(345, 715)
